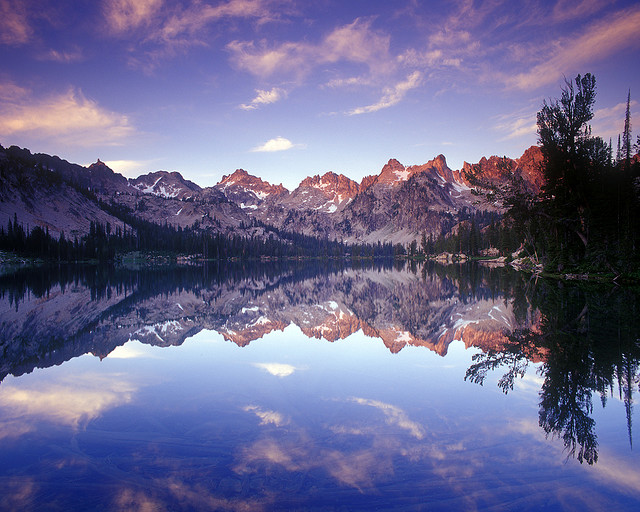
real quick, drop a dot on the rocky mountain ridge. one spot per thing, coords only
(398, 204)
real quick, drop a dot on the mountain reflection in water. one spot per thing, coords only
(573, 342)
(91, 309)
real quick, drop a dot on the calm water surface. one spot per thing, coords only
(309, 388)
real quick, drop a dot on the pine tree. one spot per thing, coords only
(626, 134)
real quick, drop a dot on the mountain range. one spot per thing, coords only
(399, 308)
(397, 205)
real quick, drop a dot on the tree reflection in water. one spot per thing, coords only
(588, 343)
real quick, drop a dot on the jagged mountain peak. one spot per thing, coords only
(248, 190)
(440, 162)
(394, 173)
(237, 175)
(99, 168)
(242, 177)
(439, 169)
(104, 179)
(98, 163)
(496, 168)
(330, 180)
(167, 184)
(326, 193)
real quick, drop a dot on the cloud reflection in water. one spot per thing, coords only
(72, 401)
(277, 369)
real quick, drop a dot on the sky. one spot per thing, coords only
(291, 88)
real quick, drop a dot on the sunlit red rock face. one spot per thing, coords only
(530, 164)
(241, 186)
(394, 173)
(499, 169)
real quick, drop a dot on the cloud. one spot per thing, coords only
(598, 41)
(130, 168)
(67, 403)
(392, 95)
(266, 416)
(272, 145)
(355, 42)
(123, 16)
(618, 473)
(609, 122)
(67, 118)
(11, 92)
(198, 15)
(285, 59)
(131, 350)
(15, 28)
(520, 124)
(264, 98)
(566, 10)
(277, 369)
(348, 82)
(178, 25)
(64, 57)
(394, 415)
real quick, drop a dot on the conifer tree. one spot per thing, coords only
(626, 135)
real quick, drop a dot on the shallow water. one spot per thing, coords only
(311, 388)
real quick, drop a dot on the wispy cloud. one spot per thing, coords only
(264, 98)
(348, 82)
(272, 145)
(566, 10)
(291, 59)
(159, 30)
(267, 416)
(11, 92)
(609, 122)
(15, 28)
(392, 95)
(67, 117)
(598, 41)
(64, 57)
(125, 15)
(182, 25)
(356, 42)
(68, 403)
(394, 416)
(518, 124)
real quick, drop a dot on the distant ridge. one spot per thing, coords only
(396, 205)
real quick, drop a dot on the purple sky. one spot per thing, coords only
(288, 88)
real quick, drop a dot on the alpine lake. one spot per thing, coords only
(316, 386)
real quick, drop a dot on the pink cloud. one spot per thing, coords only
(15, 28)
(356, 42)
(597, 42)
(65, 117)
(392, 95)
